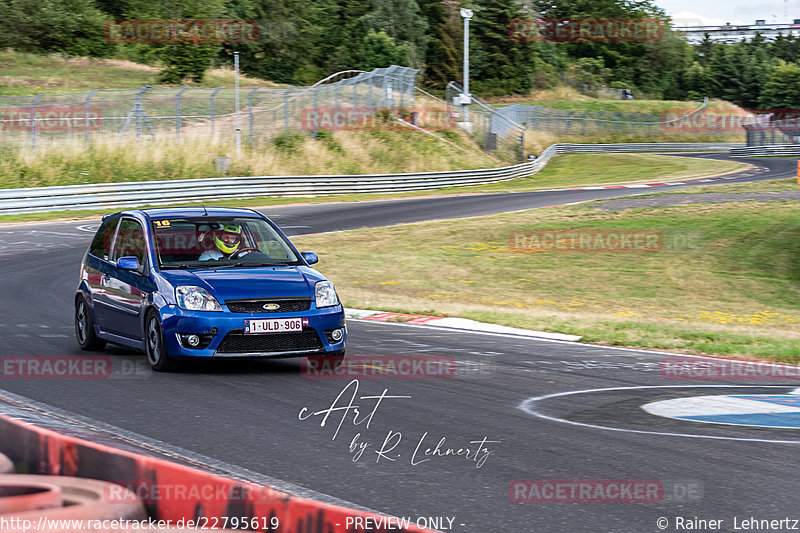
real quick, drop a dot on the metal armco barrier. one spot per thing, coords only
(170, 491)
(6, 466)
(134, 194)
(785, 150)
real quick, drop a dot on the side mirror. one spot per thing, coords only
(310, 257)
(128, 263)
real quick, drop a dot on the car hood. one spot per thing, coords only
(262, 282)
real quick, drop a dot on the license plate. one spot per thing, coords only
(277, 325)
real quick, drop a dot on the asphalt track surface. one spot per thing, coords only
(245, 415)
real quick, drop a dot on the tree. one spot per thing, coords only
(782, 87)
(500, 65)
(401, 20)
(443, 56)
(380, 50)
(73, 27)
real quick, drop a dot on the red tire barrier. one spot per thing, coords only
(78, 498)
(17, 496)
(192, 494)
(6, 466)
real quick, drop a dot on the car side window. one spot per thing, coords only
(130, 241)
(101, 245)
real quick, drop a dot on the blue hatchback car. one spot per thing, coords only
(189, 283)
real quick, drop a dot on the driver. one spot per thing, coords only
(227, 239)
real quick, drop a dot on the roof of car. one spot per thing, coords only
(164, 212)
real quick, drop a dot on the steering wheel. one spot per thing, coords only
(243, 251)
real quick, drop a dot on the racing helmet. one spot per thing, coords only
(227, 238)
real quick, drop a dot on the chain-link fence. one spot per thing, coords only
(340, 101)
(495, 132)
(773, 133)
(590, 123)
(597, 92)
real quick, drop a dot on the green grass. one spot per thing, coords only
(23, 74)
(725, 282)
(562, 171)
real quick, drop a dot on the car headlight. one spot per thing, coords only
(196, 299)
(325, 295)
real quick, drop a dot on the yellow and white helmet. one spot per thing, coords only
(228, 238)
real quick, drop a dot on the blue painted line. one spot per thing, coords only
(778, 420)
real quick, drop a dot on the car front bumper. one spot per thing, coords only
(223, 336)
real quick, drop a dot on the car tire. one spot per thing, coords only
(154, 345)
(84, 327)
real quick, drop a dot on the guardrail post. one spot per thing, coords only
(178, 112)
(211, 107)
(251, 132)
(33, 119)
(87, 133)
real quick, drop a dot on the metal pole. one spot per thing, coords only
(211, 105)
(178, 112)
(286, 108)
(86, 134)
(467, 14)
(250, 112)
(33, 120)
(236, 91)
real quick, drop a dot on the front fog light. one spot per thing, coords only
(337, 335)
(193, 340)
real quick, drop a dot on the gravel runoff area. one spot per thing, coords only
(666, 200)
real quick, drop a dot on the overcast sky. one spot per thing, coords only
(694, 12)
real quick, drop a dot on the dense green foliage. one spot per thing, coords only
(300, 42)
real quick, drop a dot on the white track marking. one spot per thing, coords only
(528, 406)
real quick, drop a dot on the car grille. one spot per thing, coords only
(257, 306)
(237, 342)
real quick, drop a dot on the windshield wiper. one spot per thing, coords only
(180, 266)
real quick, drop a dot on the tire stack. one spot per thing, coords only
(26, 499)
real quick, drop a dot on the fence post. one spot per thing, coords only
(335, 104)
(178, 112)
(286, 108)
(250, 113)
(33, 119)
(211, 107)
(86, 104)
(316, 111)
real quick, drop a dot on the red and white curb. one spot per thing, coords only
(455, 323)
(743, 174)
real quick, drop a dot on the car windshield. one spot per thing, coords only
(216, 242)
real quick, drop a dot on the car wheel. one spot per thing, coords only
(84, 328)
(154, 345)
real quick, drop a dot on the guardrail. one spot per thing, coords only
(786, 150)
(135, 194)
